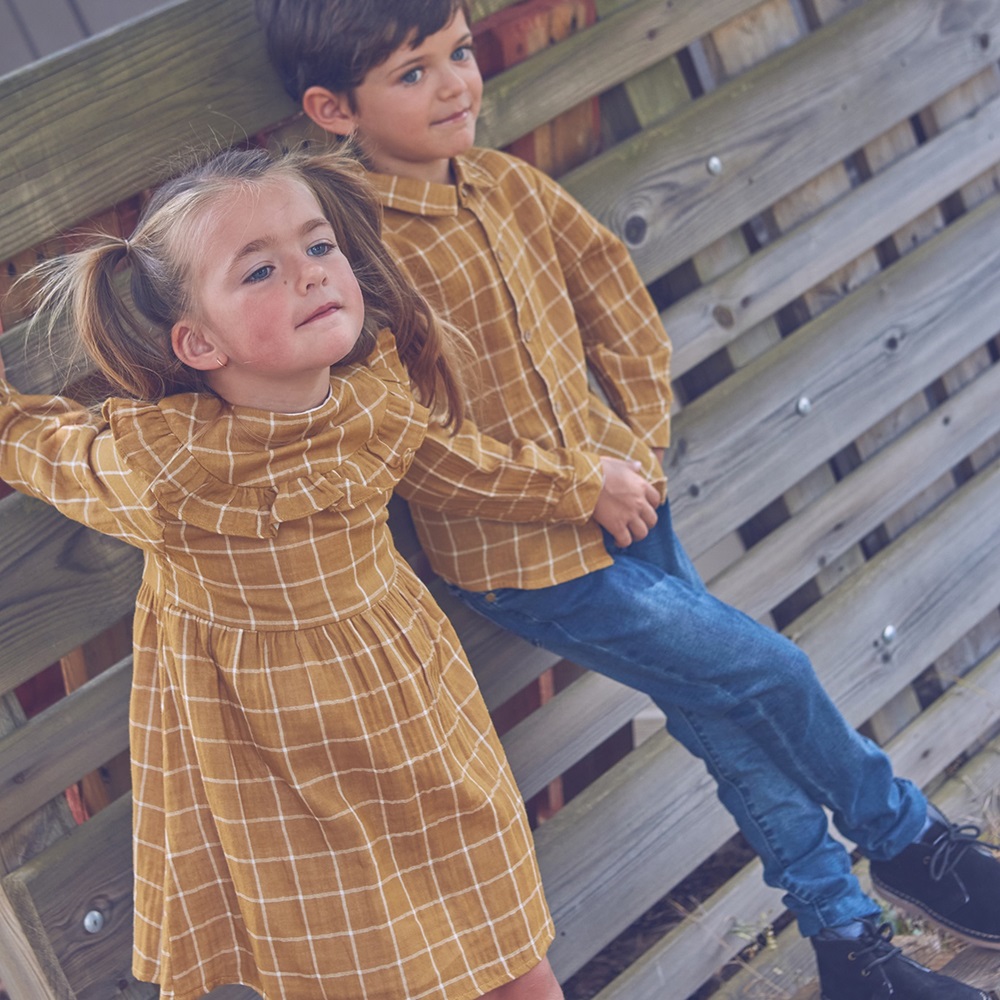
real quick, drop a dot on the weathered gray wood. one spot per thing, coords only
(563, 730)
(714, 315)
(929, 611)
(37, 364)
(60, 584)
(807, 107)
(24, 971)
(63, 115)
(87, 870)
(55, 749)
(592, 61)
(742, 444)
(820, 533)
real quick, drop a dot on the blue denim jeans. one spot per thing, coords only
(746, 701)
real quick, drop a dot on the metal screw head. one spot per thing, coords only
(714, 166)
(93, 921)
(889, 634)
(803, 406)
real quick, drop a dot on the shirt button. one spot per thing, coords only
(499, 255)
(527, 335)
(466, 190)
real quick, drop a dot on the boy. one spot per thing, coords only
(553, 506)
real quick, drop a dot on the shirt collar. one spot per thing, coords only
(404, 194)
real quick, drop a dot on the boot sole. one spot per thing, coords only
(912, 908)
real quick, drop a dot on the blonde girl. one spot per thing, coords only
(321, 806)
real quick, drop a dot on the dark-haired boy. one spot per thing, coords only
(549, 515)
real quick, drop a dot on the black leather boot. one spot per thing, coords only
(948, 876)
(872, 968)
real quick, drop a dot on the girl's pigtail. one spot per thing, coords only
(87, 290)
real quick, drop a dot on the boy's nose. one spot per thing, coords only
(452, 82)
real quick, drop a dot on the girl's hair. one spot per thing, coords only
(334, 43)
(136, 355)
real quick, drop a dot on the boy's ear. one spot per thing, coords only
(194, 349)
(331, 112)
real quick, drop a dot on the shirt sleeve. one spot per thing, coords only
(55, 450)
(471, 474)
(627, 348)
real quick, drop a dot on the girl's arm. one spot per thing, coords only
(54, 449)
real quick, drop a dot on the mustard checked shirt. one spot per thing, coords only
(545, 293)
(322, 809)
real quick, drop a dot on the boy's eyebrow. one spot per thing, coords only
(255, 246)
(466, 39)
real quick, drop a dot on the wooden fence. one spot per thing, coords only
(809, 187)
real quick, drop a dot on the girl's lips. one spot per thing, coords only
(325, 310)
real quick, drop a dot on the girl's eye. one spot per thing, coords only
(262, 272)
(413, 76)
(321, 249)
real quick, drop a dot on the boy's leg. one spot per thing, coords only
(742, 698)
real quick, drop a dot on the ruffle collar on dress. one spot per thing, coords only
(237, 470)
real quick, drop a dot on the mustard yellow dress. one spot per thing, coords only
(321, 806)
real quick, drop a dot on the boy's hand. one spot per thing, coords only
(626, 507)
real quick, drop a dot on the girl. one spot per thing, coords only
(321, 806)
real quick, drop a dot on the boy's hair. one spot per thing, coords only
(335, 43)
(135, 353)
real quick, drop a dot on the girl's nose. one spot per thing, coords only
(311, 273)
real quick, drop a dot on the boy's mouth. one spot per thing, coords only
(453, 119)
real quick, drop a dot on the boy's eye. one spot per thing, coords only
(412, 76)
(260, 274)
(463, 54)
(321, 249)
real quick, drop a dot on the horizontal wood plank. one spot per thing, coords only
(60, 584)
(64, 116)
(565, 729)
(842, 516)
(91, 869)
(745, 442)
(713, 316)
(615, 49)
(58, 747)
(781, 123)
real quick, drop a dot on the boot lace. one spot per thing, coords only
(878, 946)
(950, 846)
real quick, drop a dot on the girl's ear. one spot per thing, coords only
(331, 112)
(194, 349)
